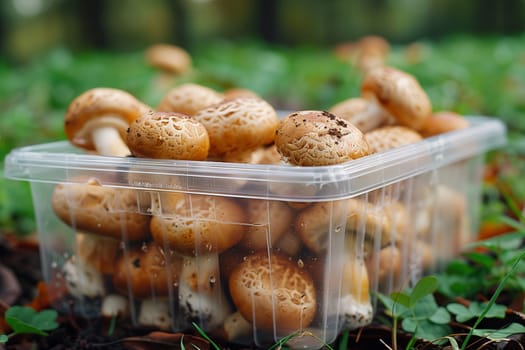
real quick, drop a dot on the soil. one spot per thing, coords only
(20, 284)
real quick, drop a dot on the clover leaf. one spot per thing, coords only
(25, 320)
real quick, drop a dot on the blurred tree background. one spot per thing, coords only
(31, 27)
(468, 55)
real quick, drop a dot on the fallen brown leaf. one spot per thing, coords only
(166, 341)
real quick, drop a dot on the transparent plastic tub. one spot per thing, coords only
(251, 253)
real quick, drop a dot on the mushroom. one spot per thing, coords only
(389, 137)
(233, 93)
(209, 310)
(443, 122)
(114, 305)
(238, 124)
(188, 99)
(269, 221)
(98, 120)
(397, 94)
(356, 307)
(146, 271)
(368, 52)
(450, 228)
(273, 293)
(170, 59)
(235, 327)
(106, 211)
(259, 155)
(197, 224)
(316, 223)
(201, 273)
(82, 279)
(155, 313)
(372, 52)
(97, 251)
(391, 269)
(377, 222)
(168, 136)
(314, 138)
(289, 244)
(360, 112)
(387, 270)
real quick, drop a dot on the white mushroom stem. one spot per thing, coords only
(154, 312)
(83, 280)
(356, 307)
(372, 117)
(114, 305)
(209, 310)
(355, 313)
(108, 142)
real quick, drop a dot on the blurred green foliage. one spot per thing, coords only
(469, 75)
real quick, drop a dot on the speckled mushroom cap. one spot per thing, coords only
(188, 99)
(313, 138)
(389, 137)
(168, 136)
(169, 58)
(238, 124)
(146, 271)
(442, 122)
(106, 211)
(399, 93)
(100, 107)
(198, 224)
(273, 292)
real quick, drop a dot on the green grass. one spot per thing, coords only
(470, 75)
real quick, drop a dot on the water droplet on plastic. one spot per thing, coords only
(300, 263)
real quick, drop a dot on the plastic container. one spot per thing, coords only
(251, 253)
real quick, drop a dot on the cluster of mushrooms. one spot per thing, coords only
(237, 265)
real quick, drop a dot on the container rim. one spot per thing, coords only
(58, 162)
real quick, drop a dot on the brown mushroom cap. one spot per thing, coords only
(169, 58)
(313, 138)
(197, 224)
(442, 122)
(101, 210)
(389, 137)
(234, 93)
(101, 108)
(147, 271)
(314, 223)
(399, 93)
(273, 292)
(238, 124)
(372, 52)
(188, 99)
(269, 221)
(259, 155)
(168, 136)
